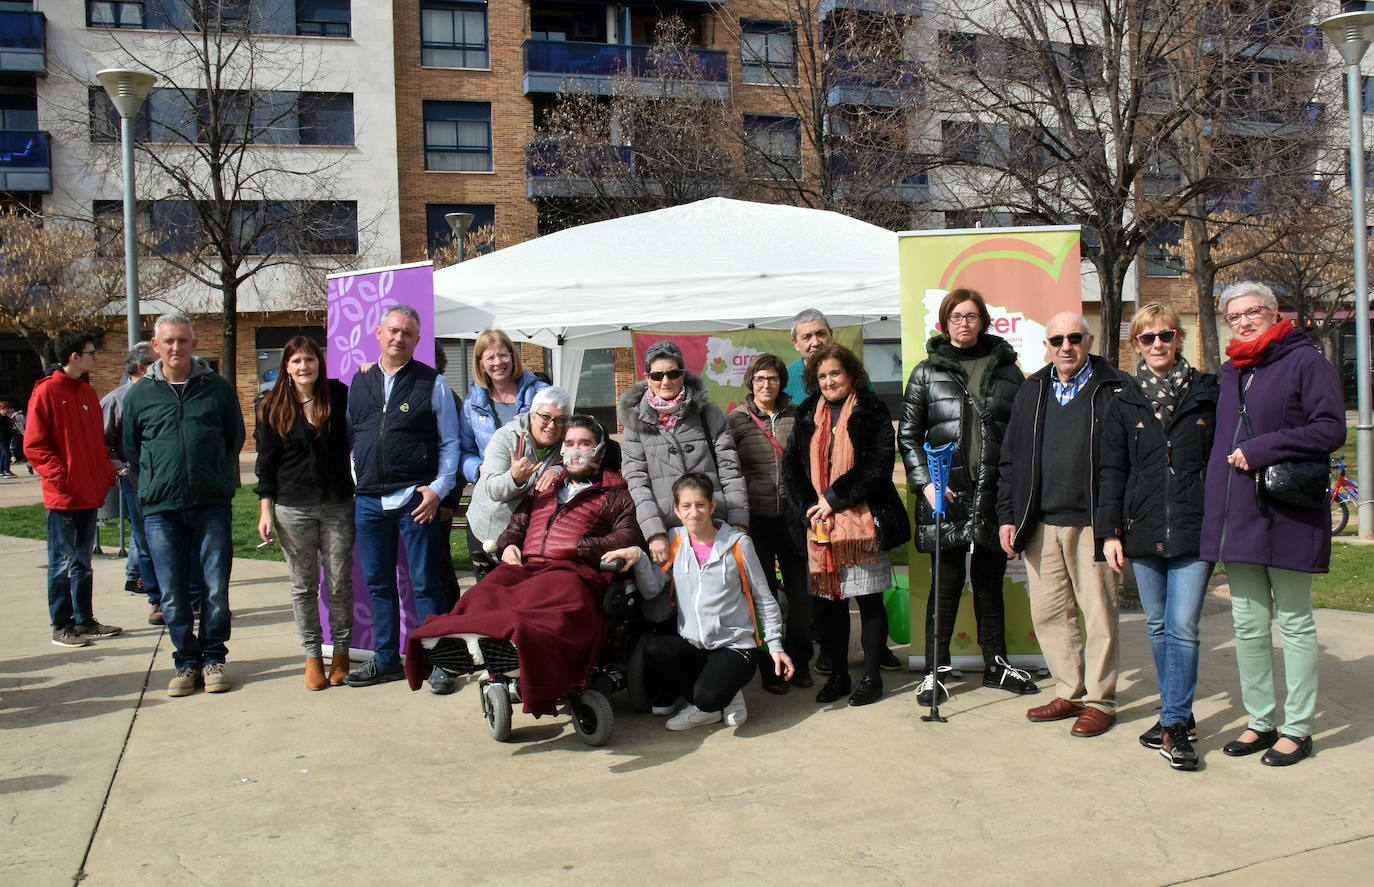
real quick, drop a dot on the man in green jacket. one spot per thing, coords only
(183, 428)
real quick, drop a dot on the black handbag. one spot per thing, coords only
(1301, 483)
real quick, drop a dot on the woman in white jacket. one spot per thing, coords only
(724, 610)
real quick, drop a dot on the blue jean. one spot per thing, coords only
(176, 540)
(1171, 591)
(140, 562)
(377, 534)
(71, 540)
(4, 456)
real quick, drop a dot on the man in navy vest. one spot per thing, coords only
(405, 456)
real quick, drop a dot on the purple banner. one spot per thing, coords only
(357, 303)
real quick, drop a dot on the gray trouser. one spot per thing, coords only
(311, 537)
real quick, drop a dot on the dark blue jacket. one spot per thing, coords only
(396, 443)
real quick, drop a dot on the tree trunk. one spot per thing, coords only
(1110, 284)
(228, 360)
(1204, 274)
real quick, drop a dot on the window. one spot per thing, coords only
(267, 118)
(768, 53)
(1160, 261)
(968, 142)
(453, 35)
(962, 218)
(458, 136)
(1367, 95)
(323, 18)
(959, 51)
(438, 232)
(777, 141)
(326, 227)
(18, 112)
(115, 14)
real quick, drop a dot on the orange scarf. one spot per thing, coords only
(853, 535)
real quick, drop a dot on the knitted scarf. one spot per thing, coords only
(1247, 354)
(669, 411)
(853, 535)
(1164, 392)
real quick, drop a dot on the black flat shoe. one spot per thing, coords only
(837, 686)
(1275, 758)
(777, 688)
(1238, 749)
(869, 690)
(802, 681)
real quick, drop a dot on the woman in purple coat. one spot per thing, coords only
(1293, 409)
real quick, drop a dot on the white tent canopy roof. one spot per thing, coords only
(713, 264)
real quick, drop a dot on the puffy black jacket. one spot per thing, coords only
(1150, 483)
(869, 481)
(1018, 485)
(936, 409)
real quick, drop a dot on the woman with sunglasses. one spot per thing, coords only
(671, 428)
(1155, 440)
(762, 426)
(962, 394)
(501, 390)
(1280, 401)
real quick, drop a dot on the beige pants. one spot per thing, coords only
(1063, 579)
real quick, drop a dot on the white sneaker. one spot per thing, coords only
(672, 708)
(691, 716)
(735, 712)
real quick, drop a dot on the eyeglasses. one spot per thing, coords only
(660, 375)
(90, 353)
(1074, 339)
(959, 319)
(1254, 313)
(556, 421)
(1148, 339)
(503, 357)
(766, 380)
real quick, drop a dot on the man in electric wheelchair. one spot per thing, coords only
(545, 597)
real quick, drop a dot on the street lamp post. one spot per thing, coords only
(459, 222)
(127, 89)
(1352, 33)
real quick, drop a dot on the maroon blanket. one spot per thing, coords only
(553, 614)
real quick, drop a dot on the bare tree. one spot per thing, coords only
(1055, 110)
(218, 142)
(56, 276)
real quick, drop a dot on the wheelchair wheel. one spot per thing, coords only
(1340, 515)
(496, 708)
(592, 717)
(637, 679)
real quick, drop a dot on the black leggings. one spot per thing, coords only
(772, 543)
(708, 679)
(987, 567)
(834, 620)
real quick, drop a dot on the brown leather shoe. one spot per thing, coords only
(338, 669)
(314, 673)
(1093, 722)
(1055, 710)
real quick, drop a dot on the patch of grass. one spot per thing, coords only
(1350, 584)
(31, 522)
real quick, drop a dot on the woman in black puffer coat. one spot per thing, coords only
(1156, 438)
(962, 394)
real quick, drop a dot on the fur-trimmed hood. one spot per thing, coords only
(632, 408)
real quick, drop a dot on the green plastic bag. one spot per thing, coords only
(897, 600)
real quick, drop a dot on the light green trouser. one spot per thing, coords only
(1256, 592)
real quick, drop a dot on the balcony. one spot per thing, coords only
(610, 169)
(592, 68)
(859, 82)
(22, 43)
(25, 162)
(847, 166)
(827, 8)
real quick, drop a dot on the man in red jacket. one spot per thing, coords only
(65, 443)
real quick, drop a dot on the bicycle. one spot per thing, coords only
(1344, 493)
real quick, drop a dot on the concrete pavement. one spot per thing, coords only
(106, 778)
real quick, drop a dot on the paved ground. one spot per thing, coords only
(102, 775)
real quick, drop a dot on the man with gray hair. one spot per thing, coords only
(405, 456)
(183, 429)
(1046, 499)
(810, 330)
(141, 578)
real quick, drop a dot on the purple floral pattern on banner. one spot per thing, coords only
(357, 303)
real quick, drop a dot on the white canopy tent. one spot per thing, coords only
(714, 264)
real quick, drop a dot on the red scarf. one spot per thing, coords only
(1246, 354)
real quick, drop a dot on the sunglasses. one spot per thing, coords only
(1074, 339)
(660, 375)
(1148, 339)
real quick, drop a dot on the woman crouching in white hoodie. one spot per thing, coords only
(724, 611)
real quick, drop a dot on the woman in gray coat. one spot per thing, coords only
(671, 428)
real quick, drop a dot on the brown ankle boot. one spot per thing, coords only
(314, 673)
(338, 668)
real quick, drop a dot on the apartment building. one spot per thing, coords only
(309, 92)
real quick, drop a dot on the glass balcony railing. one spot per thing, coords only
(25, 161)
(574, 59)
(21, 43)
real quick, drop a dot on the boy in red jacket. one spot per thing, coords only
(65, 442)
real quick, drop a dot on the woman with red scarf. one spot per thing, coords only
(839, 486)
(1280, 400)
